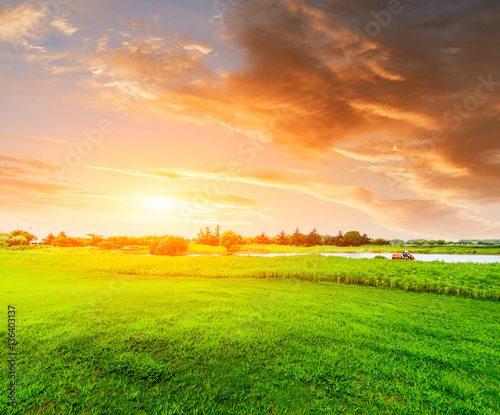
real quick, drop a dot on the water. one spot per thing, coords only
(483, 259)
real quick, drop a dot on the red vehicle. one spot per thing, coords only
(400, 256)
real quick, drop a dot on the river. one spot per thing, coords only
(482, 259)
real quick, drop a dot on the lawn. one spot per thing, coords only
(94, 342)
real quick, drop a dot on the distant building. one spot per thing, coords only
(37, 243)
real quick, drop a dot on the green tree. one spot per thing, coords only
(61, 241)
(328, 240)
(207, 237)
(353, 238)
(230, 240)
(297, 238)
(314, 238)
(380, 241)
(106, 245)
(172, 245)
(96, 239)
(154, 242)
(366, 239)
(17, 241)
(282, 238)
(29, 237)
(338, 240)
(49, 239)
(262, 239)
(441, 242)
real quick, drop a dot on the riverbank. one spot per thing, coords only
(319, 249)
(479, 281)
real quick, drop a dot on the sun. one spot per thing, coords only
(161, 204)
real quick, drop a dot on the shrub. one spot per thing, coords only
(230, 240)
(172, 245)
(106, 245)
(380, 241)
(154, 244)
(17, 240)
(353, 238)
(29, 237)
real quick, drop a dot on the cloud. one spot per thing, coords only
(449, 216)
(199, 48)
(29, 23)
(430, 67)
(26, 138)
(422, 216)
(63, 25)
(162, 174)
(21, 21)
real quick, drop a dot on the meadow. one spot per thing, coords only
(108, 333)
(466, 279)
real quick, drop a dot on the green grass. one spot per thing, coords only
(93, 342)
(468, 279)
(199, 249)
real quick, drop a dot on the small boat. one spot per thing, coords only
(400, 256)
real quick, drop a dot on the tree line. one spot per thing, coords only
(169, 244)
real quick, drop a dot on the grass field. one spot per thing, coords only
(467, 279)
(106, 333)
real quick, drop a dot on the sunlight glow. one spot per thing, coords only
(161, 204)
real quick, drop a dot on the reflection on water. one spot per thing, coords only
(484, 259)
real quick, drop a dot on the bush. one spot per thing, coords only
(29, 237)
(380, 241)
(154, 244)
(17, 241)
(106, 245)
(353, 238)
(172, 245)
(230, 240)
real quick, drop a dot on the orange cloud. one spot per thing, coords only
(396, 88)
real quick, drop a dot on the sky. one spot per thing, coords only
(161, 117)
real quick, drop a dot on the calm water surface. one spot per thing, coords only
(483, 259)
